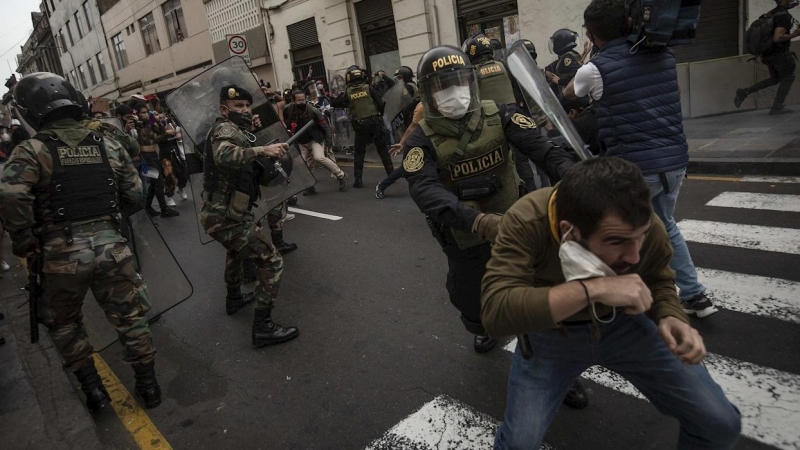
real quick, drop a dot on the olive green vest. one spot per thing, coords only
(487, 156)
(494, 84)
(361, 104)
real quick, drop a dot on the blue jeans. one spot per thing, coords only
(664, 207)
(632, 347)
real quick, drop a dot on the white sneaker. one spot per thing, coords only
(288, 217)
(170, 201)
(5, 266)
(182, 192)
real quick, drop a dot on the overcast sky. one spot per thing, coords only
(15, 29)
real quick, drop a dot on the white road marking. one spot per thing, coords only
(768, 399)
(313, 213)
(443, 424)
(752, 200)
(751, 294)
(757, 179)
(774, 239)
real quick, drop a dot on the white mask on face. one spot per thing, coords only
(578, 263)
(5, 137)
(453, 102)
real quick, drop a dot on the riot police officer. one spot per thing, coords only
(366, 113)
(61, 199)
(493, 80)
(562, 70)
(231, 176)
(461, 174)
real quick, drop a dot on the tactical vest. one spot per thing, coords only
(243, 180)
(361, 103)
(82, 187)
(483, 174)
(494, 83)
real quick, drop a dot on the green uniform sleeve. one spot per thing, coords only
(128, 181)
(20, 176)
(227, 150)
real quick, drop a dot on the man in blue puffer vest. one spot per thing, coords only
(638, 110)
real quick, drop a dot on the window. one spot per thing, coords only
(87, 15)
(148, 28)
(52, 6)
(101, 66)
(69, 34)
(73, 80)
(90, 68)
(119, 50)
(78, 25)
(173, 16)
(63, 41)
(83, 76)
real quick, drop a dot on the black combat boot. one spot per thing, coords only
(267, 332)
(92, 386)
(576, 396)
(483, 344)
(146, 384)
(281, 245)
(235, 300)
(248, 271)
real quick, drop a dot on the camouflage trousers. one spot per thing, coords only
(121, 292)
(247, 242)
(274, 217)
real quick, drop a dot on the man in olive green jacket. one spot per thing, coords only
(583, 270)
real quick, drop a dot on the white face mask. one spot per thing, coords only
(453, 102)
(5, 137)
(578, 263)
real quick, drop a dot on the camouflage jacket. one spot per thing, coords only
(231, 151)
(128, 142)
(27, 178)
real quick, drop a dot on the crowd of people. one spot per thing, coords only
(582, 260)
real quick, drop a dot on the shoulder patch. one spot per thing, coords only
(523, 121)
(414, 160)
(225, 131)
(567, 61)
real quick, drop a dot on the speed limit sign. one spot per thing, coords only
(237, 46)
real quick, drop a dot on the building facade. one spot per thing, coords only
(155, 45)
(39, 53)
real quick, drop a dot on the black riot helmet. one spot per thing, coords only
(404, 73)
(80, 99)
(448, 85)
(42, 93)
(476, 46)
(354, 75)
(563, 41)
(530, 48)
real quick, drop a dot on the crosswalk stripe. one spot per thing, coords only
(753, 200)
(751, 294)
(768, 399)
(757, 179)
(442, 423)
(774, 239)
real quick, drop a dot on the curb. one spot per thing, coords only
(745, 166)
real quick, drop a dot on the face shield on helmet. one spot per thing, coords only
(450, 93)
(563, 40)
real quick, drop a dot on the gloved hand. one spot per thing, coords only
(24, 244)
(487, 225)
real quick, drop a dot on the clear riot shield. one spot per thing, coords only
(341, 127)
(195, 105)
(167, 285)
(396, 99)
(536, 91)
(113, 121)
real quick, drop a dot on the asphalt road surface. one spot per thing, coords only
(383, 361)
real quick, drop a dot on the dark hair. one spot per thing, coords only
(596, 187)
(138, 105)
(607, 19)
(123, 110)
(295, 92)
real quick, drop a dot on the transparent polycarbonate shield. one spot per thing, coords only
(337, 85)
(536, 91)
(342, 132)
(396, 100)
(166, 283)
(113, 121)
(196, 105)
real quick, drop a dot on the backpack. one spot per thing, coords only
(758, 37)
(663, 23)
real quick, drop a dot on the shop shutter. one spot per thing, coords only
(303, 34)
(369, 11)
(717, 32)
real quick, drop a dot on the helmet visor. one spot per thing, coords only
(450, 93)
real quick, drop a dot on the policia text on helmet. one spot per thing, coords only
(448, 84)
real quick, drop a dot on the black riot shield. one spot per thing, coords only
(536, 91)
(341, 126)
(166, 283)
(196, 106)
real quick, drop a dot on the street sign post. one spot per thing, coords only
(237, 46)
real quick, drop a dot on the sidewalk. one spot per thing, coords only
(39, 408)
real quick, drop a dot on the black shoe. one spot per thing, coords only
(699, 305)
(267, 332)
(151, 211)
(357, 183)
(379, 192)
(576, 396)
(741, 94)
(281, 245)
(146, 384)
(483, 344)
(779, 111)
(342, 182)
(292, 201)
(235, 300)
(92, 386)
(309, 191)
(169, 212)
(2, 340)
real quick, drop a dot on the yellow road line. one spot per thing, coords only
(712, 178)
(133, 417)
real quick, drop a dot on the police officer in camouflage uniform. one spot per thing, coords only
(561, 71)
(231, 174)
(62, 195)
(366, 113)
(461, 175)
